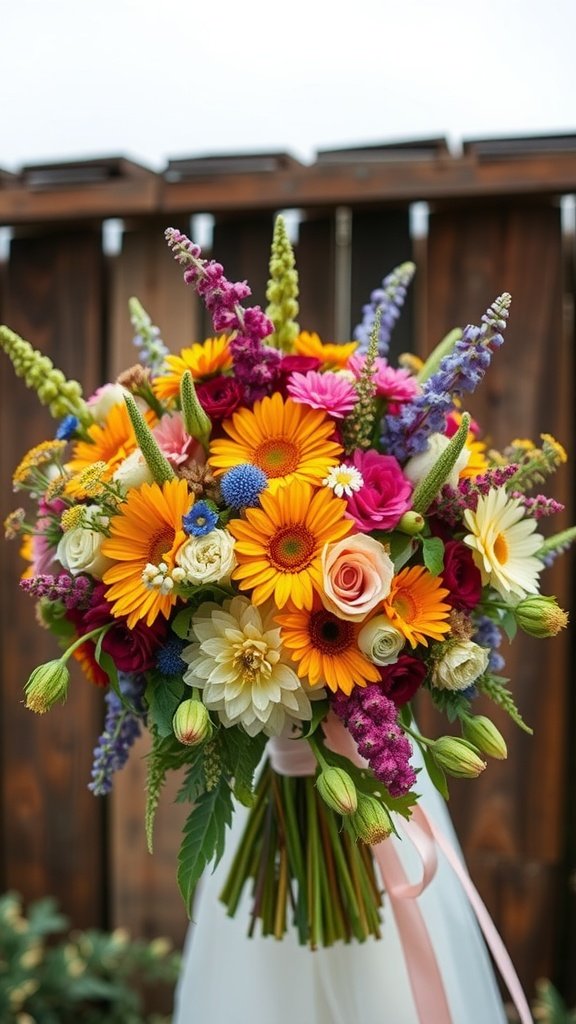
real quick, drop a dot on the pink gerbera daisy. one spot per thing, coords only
(334, 393)
(394, 385)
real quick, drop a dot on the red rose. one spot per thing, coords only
(131, 650)
(220, 396)
(401, 680)
(294, 364)
(461, 576)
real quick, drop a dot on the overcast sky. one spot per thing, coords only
(153, 80)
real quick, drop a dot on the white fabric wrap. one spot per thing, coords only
(291, 757)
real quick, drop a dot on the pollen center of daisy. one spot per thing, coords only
(292, 548)
(329, 634)
(160, 544)
(501, 549)
(277, 456)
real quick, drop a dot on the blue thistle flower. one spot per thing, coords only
(200, 520)
(242, 485)
(168, 660)
(67, 428)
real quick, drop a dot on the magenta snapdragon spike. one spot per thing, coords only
(73, 591)
(256, 366)
(371, 718)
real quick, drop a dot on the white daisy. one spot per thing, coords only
(239, 664)
(344, 480)
(503, 545)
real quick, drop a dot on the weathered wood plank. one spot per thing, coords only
(52, 826)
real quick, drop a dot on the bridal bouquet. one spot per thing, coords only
(262, 549)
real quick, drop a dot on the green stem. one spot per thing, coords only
(100, 631)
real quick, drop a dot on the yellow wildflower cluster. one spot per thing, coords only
(90, 479)
(72, 517)
(13, 523)
(40, 455)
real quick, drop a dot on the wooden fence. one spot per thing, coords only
(494, 223)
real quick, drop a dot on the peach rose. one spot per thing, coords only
(357, 573)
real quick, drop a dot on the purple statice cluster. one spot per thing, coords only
(370, 717)
(389, 299)
(452, 502)
(256, 366)
(73, 591)
(122, 727)
(489, 635)
(459, 372)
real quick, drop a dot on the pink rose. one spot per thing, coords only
(385, 495)
(357, 573)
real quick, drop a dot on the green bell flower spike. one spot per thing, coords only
(282, 290)
(63, 397)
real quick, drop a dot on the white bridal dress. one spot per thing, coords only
(230, 979)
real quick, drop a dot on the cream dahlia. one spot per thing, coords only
(238, 662)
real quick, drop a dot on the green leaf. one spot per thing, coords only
(401, 546)
(181, 623)
(436, 773)
(163, 695)
(194, 783)
(509, 625)
(494, 688)
(450, 702)
(319, 712)
(242, 755)
(204, 837)
(433, 554)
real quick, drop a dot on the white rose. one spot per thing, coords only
(208, 559)
(104, 398)
(420, 465)
(460, 666)
(133, 471)
(79, 548)
(380, 641)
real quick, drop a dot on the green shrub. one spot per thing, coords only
(49, 975)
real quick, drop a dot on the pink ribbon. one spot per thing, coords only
(423, 968)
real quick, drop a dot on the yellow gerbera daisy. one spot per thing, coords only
(326, 648)
(279, 546)
(504, 544)
(286, 440)
(332, 357)
(203, 360)
(109, 443)
(415, 605)
(146, 532)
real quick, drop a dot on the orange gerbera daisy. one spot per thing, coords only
(147, 531)
(279, 546)
(286, 440)
(109, 443)
(415, 605)
(203, 360)
(326, 648)
(332, 357)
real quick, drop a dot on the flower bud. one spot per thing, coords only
(191, 723)
(484, 735)
(47, 685)
(540, 616)
(196, 422)
(337, 789)
(371, 822)
(411, 523)
(457, 757)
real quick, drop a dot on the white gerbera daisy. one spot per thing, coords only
(239, 663)
(503, 545)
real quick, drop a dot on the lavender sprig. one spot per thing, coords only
(256, 366)
(121, 730)
(389, 299)
(459, 372)
(73, 591)
(147, 339)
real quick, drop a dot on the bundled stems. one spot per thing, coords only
(303, 867)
